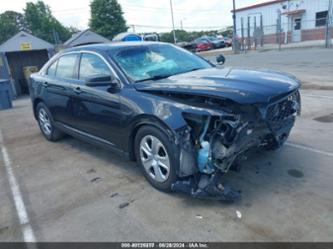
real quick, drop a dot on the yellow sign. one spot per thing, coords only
(25, 46)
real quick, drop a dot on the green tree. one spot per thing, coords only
(187, 36)
(11, 23)
(167, 37)
(107, 18)
(43, 24)
(181, 35)
(228, 32)
(73, 30)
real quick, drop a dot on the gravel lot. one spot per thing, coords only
(73, 191)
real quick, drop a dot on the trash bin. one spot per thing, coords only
(5, 95)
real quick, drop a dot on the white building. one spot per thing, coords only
(301, 20)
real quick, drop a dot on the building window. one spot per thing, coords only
(321, 18)
(298, 24)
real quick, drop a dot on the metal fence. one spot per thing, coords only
(252, 34)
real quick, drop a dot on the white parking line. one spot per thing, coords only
(316, 96)
(28, 234)
(298, 146)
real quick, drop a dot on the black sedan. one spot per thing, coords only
(180, 117)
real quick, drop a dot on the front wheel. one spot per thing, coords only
(157, 157)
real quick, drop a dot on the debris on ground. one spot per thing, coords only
(239, 214)
(295, 173)
(114, 195)
(198, 216)
(90, 171)
(207, 187)
(96, 179)
(124, 204)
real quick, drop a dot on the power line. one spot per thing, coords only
(185, 27)
(137, 7)
(147, 7)
(127, 8)
(71, 10)
(167, 9)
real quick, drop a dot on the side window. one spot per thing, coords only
(92, 65)
(66, 66)
(51, 71)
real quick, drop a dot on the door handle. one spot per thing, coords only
(45, 84)
(78, 90)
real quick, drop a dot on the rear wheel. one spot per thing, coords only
(156, 156)
(45, 122)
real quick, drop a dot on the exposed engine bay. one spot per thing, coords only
(211, 144)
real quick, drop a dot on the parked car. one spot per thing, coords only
(203, 45)
(151, 37)
(214, 42)
(217, 43)
(182, 119)
(228, 41)
(190, 46)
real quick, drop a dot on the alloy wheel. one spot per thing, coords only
(44, 121)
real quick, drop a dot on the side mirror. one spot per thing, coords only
(102, 80)
(220, 59)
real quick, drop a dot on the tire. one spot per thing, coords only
(45, 122)
(156, 170)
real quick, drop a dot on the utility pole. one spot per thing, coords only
(328, 26)
(173, 23)
(234, 31)
(181, 24)
(133, 28)
(279, 28)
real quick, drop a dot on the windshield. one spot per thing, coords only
(152, 62)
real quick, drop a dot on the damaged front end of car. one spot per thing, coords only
(211, 144)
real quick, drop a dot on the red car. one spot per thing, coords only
(203, 45)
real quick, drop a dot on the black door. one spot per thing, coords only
(57, 87)
(96, 110)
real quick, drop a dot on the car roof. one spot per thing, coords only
(114, 46)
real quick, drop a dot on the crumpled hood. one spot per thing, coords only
(240, 85)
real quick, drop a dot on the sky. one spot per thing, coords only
(146, 15)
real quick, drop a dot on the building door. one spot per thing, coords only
(297, 26)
